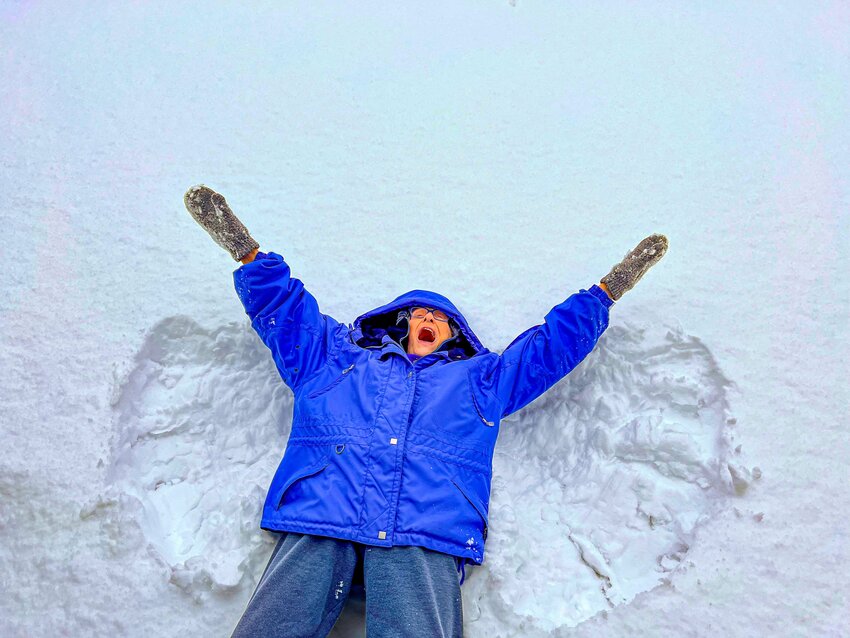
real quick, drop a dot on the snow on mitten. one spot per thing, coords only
(626, 274)
(211, 211)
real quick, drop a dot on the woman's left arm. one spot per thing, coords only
(544, 354)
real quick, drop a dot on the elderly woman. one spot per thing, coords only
(385, 481)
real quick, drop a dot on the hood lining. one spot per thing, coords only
(372, 329)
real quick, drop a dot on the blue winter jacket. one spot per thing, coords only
(385, 451)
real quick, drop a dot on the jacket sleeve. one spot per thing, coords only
(544, 354)
(286, 317)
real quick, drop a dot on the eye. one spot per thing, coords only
(440, 315)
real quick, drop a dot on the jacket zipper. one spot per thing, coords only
(313, 395)
(410, 373)
(478, 410)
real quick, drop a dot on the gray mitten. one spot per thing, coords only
(626, 274)
(211, 211)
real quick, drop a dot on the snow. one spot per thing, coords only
(689, 478)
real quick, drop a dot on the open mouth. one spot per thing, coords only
(427, 335)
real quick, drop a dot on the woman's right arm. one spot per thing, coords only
(283, 313)
(286, 316)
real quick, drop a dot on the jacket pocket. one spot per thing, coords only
(478, 408)
(332, 384)
(476, 503)
(310, 470)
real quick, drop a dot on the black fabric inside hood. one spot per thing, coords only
(374, 327)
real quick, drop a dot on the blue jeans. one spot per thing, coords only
(410, 591)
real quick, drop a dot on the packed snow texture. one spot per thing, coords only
(602, 483)
(689, 478)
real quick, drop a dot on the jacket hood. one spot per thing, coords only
(370, 328)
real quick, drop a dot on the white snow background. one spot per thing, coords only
(690, 478)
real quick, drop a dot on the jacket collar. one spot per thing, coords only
(390, 345)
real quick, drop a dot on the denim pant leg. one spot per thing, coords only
(411, 592)
(302, 590)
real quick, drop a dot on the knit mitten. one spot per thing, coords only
(626, 274)
(211, 211)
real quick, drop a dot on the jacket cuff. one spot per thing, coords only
(260, 255)
(251, 280)
(601, 295)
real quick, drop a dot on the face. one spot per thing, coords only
(427, 333)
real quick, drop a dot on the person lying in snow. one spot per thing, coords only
(385, 481)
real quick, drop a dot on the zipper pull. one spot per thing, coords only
(481, 414)
(348, 369)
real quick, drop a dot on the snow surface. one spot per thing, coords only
(689, 478)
